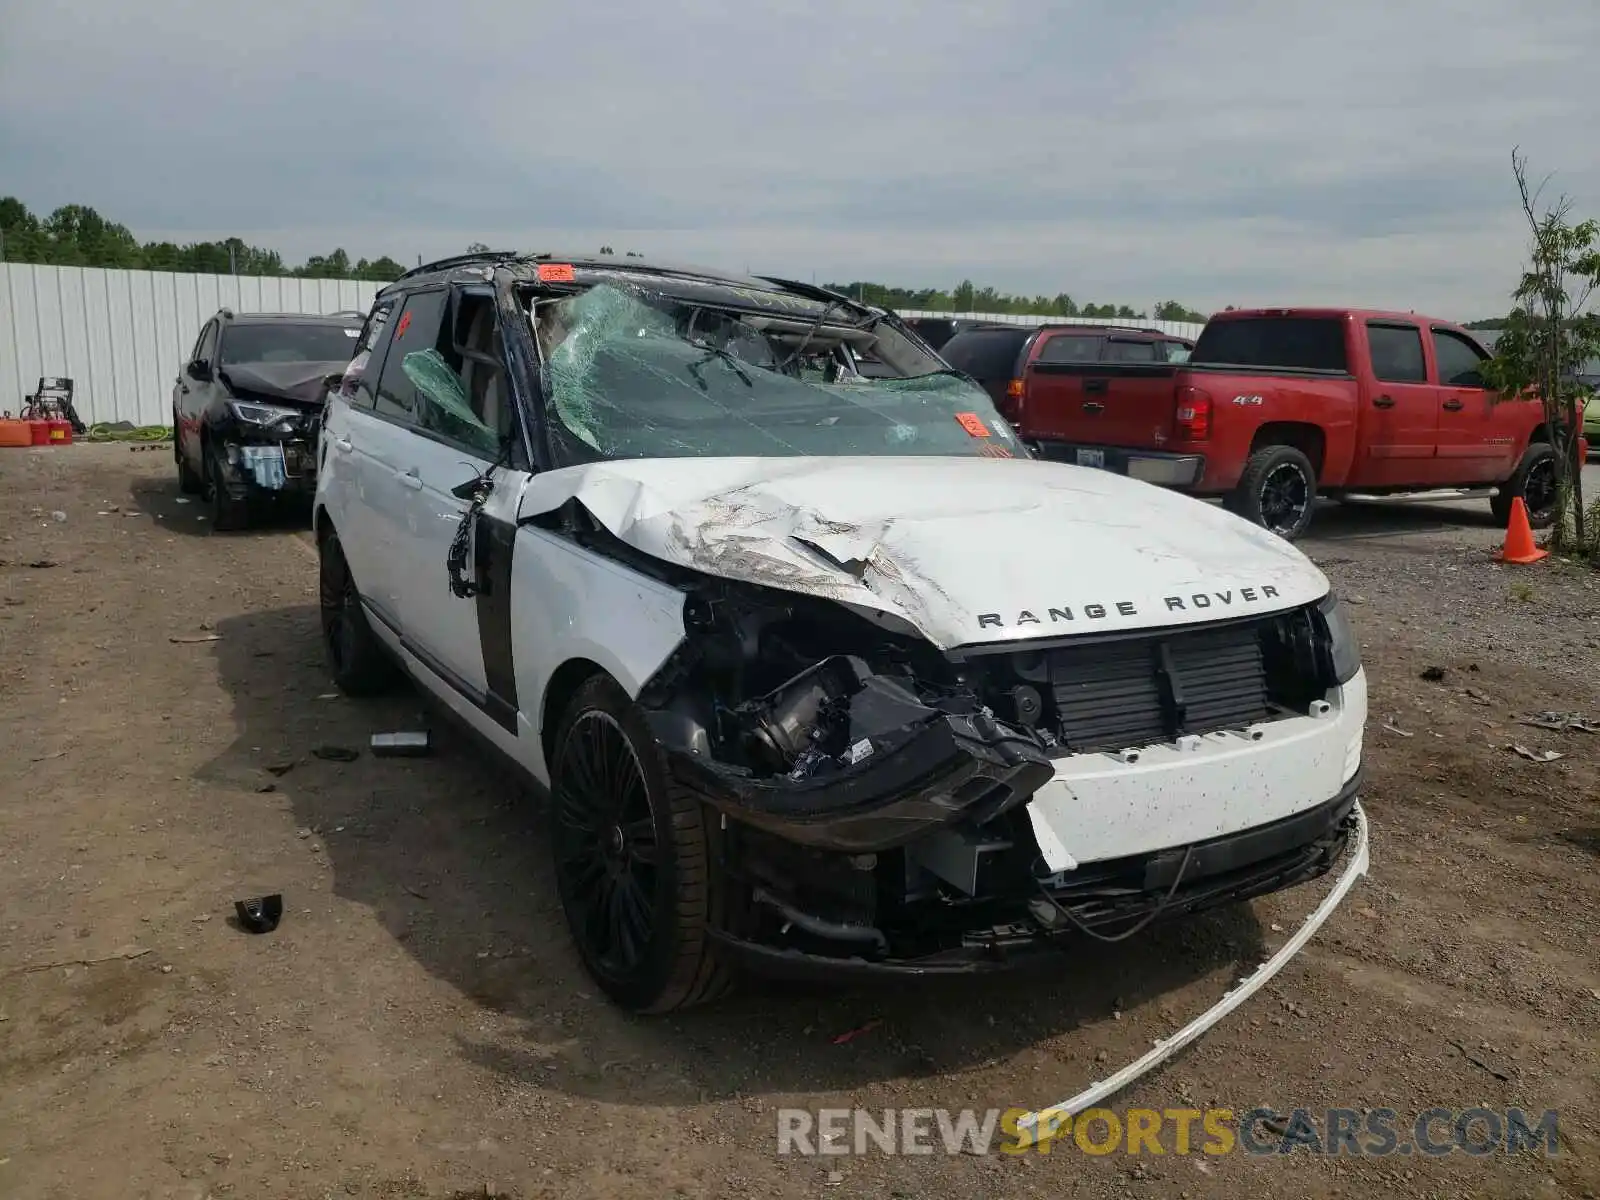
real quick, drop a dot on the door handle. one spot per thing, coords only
(411, 479)
(1093, 406)
(1383, 402)
(343, 445)
(1453, 405)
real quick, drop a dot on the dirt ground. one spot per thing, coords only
(418, 1026)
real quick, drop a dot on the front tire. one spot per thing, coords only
(189, 483)
(360, 664)
(1535, 481)
(1278, 491)
(632, 861)
(227, 513)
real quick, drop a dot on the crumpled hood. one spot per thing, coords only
(299, 382)
(967, 550)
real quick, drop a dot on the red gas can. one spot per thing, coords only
(60, 433)
(40, 431)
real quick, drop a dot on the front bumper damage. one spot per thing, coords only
(279, 461)
(875, 798)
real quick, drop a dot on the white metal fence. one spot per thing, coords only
(121, 336)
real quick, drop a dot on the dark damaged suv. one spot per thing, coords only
(822, 670)
(248, 403)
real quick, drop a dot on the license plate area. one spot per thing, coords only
(1091, 458)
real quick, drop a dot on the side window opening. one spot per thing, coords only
(1397, 353)
(1460, 362)
(205, 348)
(358, 383)
(1069, 348)
(445, 371)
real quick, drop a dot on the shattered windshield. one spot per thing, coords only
(637, 376)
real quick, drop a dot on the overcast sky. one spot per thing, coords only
(1213, 151)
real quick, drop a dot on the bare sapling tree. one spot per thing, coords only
(1549, 334)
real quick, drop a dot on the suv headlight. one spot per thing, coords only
(1341, 647)
(261, 414)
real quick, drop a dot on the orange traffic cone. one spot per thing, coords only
(1519, 547)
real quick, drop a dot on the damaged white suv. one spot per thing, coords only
(821, 670)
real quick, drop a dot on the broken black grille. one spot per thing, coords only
(1140, 691)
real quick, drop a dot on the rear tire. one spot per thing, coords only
(360, 663)
(1278, 491)
(1535, 481)
(634, 868)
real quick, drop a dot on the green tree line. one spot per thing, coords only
(78, 236)
(968, 297)
(75, 235)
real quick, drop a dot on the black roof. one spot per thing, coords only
(273, 318)
(711, 284)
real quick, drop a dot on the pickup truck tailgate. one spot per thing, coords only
(1100, 404)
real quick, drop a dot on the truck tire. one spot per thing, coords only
(1535, 481)
(638, 882)
(1278, 491)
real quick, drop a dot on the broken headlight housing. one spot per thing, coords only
(1342, 650)
(253, 413)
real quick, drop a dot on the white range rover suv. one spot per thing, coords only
(819, 669)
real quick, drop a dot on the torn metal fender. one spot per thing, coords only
(1036, 1127)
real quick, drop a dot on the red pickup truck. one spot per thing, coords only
(1275, 406)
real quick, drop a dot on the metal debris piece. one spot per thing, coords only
(1562, 721)
(1541, 756)
(406, 744)
(1393, 728)
(852, 1034)
(198, 637)
(260, 914)
(335, 753)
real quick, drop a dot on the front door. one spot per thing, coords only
(1478, 432)
(457, 565)
(1400, 418)
(190, 394)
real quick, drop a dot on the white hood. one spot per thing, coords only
(967, 550)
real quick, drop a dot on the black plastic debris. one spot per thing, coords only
(336, 753)
(409, 744)
(1432, 674)
(259, 915)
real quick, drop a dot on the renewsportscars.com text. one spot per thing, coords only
(1378, 1132)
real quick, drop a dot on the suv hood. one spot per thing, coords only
(300, 383)
(965, 550)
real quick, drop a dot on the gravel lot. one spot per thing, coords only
(419, 1027)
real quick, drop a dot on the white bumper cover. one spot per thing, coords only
(1104, 806)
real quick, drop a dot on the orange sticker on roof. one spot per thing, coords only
(973, 424)
(556, 273)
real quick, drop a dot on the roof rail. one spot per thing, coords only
(459, 260)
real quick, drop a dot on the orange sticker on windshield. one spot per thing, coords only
(556, 273)
(973, 424)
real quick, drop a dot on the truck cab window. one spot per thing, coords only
(1397, 353)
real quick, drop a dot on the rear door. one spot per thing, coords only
(1479, 435)
(190, 395)
(1400, 418)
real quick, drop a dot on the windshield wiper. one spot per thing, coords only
(697, 368)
